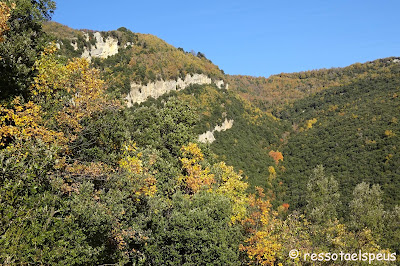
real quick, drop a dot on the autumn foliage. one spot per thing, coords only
(75, 88)
(276, 155)
(263, 243)
(5, 12)
(196, 176)
(84, 180)
(23, 122)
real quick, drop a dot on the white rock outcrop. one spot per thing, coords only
(140, 93)
(219, 83)
(102, 49)
(75, 45)
(208, 137)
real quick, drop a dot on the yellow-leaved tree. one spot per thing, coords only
(262, 244)
(131, 164)
(21, 122)
(71, 91)
(5, 13)
(196, 176)
(230, 184)
(218, 178)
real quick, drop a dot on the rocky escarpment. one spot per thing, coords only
(103, 48)
(140, 93)
(208, 137)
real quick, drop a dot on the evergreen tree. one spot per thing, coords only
(23, 42)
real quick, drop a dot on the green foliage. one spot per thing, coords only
(35, 222)
(273, 93)
(367, 208)
(193, 231)
(26, 39)
(247, 144)
(390, 237)
(165, 128)
(355, 136)
(85, 181)
(102, 137)
(322, 197)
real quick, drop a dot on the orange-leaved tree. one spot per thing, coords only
(276, 155)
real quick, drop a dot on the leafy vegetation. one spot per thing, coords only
(354, 135)
(86, 181)
(22, 36)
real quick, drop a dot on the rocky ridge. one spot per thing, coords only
(103, 47)
(139, 93)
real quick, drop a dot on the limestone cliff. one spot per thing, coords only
(140, 93)
(208, 137)
(102, 48)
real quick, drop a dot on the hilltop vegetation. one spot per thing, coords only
(84, 180)
(142, 58)
(274, 92)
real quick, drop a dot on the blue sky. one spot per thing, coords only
(257, 38)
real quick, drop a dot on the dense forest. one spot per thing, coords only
(310, 164)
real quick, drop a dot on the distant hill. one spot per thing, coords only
(126, 57)
(277, 90)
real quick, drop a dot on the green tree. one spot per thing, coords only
(391, 234)
(23, 42)
(366, 208)
(193, 231)
(35, 224)
(322, 196)
(166, 128)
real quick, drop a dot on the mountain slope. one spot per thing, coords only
(354, 134)
(88, 180)
(280, 124)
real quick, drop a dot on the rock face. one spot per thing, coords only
(208, 137)
(220, 84)
(102, 49)
(140, 93)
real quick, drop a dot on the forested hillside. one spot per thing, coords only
(277, 90)
(353, 131)
(310, 161)
(349, 126)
